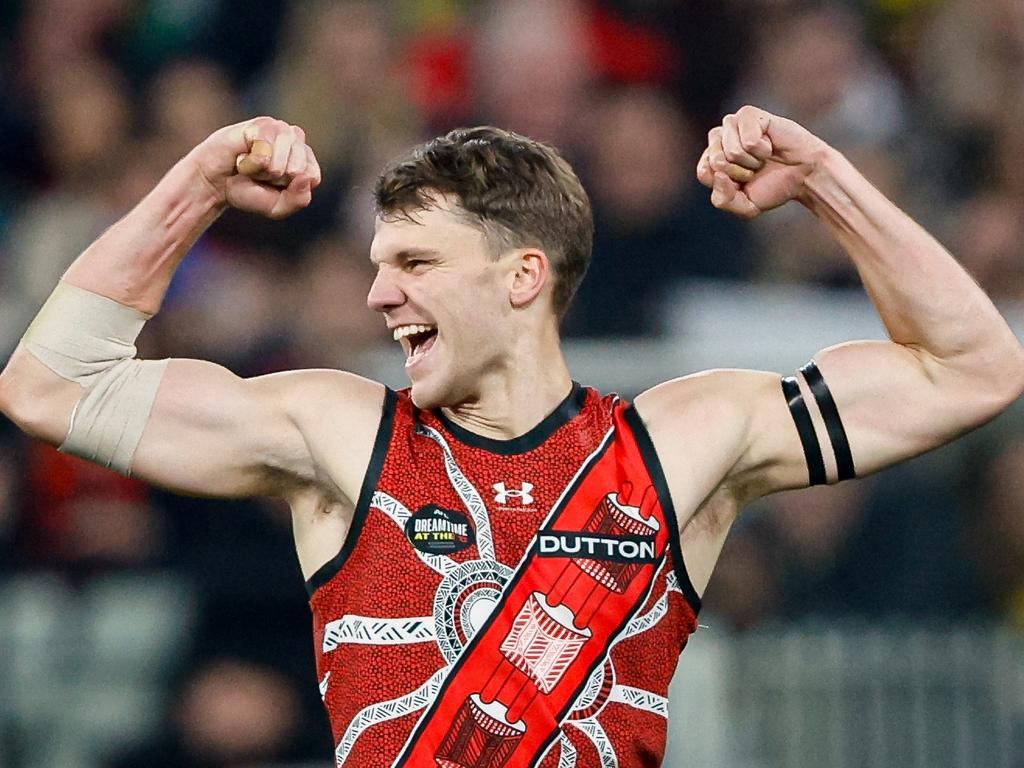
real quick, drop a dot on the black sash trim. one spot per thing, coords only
(654, 469)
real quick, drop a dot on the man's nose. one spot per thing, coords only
(385, 293)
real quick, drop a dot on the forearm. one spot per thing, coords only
(78, 338)
(926, 300)
(75, 371)
(133, 261)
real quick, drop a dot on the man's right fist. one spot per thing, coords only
(261, 165)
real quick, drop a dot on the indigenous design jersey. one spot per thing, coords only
(505, 603)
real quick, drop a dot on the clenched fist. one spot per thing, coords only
(261, 166)
(756, 161)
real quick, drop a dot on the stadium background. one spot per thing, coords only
(878, 623)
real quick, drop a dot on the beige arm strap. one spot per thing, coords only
(90, 339)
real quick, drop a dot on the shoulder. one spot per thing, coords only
(342, 418)
(723, 397)
(309, 388)
(319, 400)
(707, 422)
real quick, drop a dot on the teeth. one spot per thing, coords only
(408, 330)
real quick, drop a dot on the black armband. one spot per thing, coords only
(833, 424)
(805, 429)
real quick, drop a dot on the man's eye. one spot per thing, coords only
(413, 263)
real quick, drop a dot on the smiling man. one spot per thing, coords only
(503, 565)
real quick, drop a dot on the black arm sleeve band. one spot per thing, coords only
(805, 429)
(834, 425)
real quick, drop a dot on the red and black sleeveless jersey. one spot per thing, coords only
(505, 603)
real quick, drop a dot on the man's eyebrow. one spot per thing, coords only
(407, 253)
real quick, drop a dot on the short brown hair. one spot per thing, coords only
(518, 191)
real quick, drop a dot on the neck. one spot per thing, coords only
(514, 400)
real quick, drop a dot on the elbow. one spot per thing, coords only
(7, 395)
(15, 403)
(36, 406)
(982, 387)
(1017, 388)
(1004, 383)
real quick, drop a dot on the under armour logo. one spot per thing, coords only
(502, 494)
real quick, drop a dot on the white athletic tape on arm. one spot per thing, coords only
(89, 339)
(79, 334)
(107, 424)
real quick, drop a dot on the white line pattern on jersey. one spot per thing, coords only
(388, 710)
(592, 688)
(640, 699)
(602, 743)
(397, 511)
(467, 493)
(567, 755)
(370, 630)
(643, 623)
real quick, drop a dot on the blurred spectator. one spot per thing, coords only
(78, 516)
(653, 224)
(188, 100)
(998, 531)
(436, 61)
(242, 36)
(86, 116)
(814, 530)
(85, 29)
(789, 557)
(224, 306)
(880, 547)
(533, 69)
(335, 77)
(329, 323)
(253, 631)
(813, 66)
(99, 97)
(85, 131)
(229, 713)
(745, 591)
(11, 446)
(1008, 151)
(970, 64)
(987, 232)
(675, 45)
(895, 27)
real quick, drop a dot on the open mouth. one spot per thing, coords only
(416, 340)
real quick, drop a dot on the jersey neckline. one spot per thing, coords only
(564, 412)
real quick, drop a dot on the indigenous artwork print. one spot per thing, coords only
(526, 645)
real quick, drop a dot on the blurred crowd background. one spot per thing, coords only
(141, 628)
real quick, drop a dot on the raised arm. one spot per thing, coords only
(188, 425)
(951, 364)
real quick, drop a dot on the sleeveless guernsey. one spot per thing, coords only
(505, 603)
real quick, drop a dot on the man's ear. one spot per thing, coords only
(531, 272)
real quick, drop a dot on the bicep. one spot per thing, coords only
(749, 433)
(213, 433)
(896, 402)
